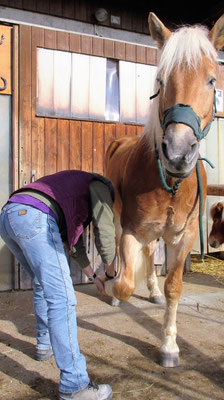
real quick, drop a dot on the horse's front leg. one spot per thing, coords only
(124, 285)
(169, 351)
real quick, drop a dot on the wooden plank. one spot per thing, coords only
(50, 148)
(13, 3)
(139, 130)
(98, 147)
(75, 43)
(29, 5)
(140, 54)
(126, 20)
(108, 48)
(68, 9)
(75, 145)
(109, 135)
(5, 56)
(37, 123)
(25, 104)
(15, 108)
(97, 47)
(130, 52)
(137, 22)
(62, 83)
(86, 44)
(151, 56)
(120, 130)
(63, 40)
(215, 190)
(131, 130)
(119, 50)
(44, 81)
(50, 40)
(80, 85)
(87, 147)
(63, 145)
(97, 87)
(56, 8)
(43, 6)
(80, 10)
(127, 72)
(145, 78)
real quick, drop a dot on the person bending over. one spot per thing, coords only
(34, 223)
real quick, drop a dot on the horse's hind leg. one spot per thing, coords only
(155, 296)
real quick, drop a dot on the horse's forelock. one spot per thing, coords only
(185, 45)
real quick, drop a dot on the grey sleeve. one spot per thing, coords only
(79, 254)
(103, 220)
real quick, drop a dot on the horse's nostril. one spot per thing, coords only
(190, 154)
(193, 147)
(214, 244)
(164, 149)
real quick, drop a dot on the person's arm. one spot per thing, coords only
(103, 224)
(79, 254)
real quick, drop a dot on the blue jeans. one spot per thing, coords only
(35, 240)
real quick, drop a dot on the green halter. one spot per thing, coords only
(184, 114)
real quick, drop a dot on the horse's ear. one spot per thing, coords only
(217, 34)
(157, 30)
(219, 207)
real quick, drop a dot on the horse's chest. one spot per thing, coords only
(165, 221)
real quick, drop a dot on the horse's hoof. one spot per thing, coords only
(169, 360)
(156, 299)
(115, 302)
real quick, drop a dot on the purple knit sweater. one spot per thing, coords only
(70, 189)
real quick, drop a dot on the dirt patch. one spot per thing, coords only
(121, 345)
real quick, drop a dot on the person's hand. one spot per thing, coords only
(100, 285)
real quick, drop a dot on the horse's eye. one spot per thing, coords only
(212, 81)
(159, 80)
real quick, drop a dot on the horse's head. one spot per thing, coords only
(186, 76)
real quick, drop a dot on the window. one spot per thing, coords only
(72, 85)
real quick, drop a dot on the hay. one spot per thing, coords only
(210, 266)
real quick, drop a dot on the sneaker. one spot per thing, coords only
(91, 392)
(44, 354)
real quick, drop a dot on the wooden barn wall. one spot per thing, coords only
(135, 20)
(48, 145)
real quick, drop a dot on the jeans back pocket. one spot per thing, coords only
(25, 221)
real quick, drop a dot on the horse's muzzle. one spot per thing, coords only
(179, 150)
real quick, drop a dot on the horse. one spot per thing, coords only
(155, 174)
(216, 236)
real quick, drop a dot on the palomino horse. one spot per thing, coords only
(154, 176)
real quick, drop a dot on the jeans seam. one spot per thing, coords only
(68, 308)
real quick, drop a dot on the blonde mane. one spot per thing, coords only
(186, 46)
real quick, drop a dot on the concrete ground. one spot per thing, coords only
(121, 345)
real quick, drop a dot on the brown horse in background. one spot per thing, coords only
(144, 210)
